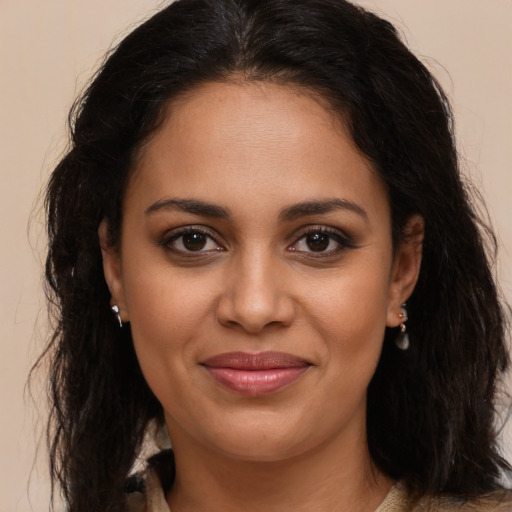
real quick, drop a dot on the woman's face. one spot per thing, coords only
(257, 272)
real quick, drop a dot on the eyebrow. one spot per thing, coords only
(290, 213)
(307, 208)
(193, 206)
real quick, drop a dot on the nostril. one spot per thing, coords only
(255, 295)
(255, 316)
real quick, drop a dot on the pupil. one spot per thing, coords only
(317, 241)
(194, 241)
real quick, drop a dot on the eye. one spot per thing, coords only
(317, 242)
(321, 241)
(190, 240)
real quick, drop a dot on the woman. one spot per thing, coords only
(266, 196)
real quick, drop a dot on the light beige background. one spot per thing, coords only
(49, 48)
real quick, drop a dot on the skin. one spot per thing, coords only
(255, 150)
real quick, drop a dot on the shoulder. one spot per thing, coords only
(399, 500)
(136, 502)
(136, 492)
(499, 501)
(149, 496)
(145, 491)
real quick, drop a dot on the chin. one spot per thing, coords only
(266, 439)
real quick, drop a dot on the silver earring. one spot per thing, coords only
(402, 340)
(115, 310)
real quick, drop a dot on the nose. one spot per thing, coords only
(255, 296)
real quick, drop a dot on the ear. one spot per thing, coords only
(406, 268)
(112, 271)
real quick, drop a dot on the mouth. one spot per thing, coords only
(255, 374)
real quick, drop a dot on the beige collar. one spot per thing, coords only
(154, 498)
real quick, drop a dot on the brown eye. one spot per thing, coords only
(194, 241)
(190, 240)
(321, 242)
(317, 242)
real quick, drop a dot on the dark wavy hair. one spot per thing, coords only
(431, 409)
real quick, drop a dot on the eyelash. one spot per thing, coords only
(168, 239)
(343, 241)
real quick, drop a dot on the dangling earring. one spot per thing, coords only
(402, 340)
(115, 310)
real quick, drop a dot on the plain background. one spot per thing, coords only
(50, 48)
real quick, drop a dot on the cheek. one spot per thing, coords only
(166, 317)
(160, 296)
(350, 313)
(167, 309)
(354, 301)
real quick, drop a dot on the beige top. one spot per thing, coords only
(153, 500)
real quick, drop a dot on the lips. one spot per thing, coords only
(255, 374)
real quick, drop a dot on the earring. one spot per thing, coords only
(115, 310)
(402, 340)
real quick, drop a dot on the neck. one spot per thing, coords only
(336, 476)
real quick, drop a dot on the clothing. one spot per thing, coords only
(150, 497)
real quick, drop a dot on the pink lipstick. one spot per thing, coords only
(255, 374)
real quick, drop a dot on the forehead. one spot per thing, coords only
(227, 141)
